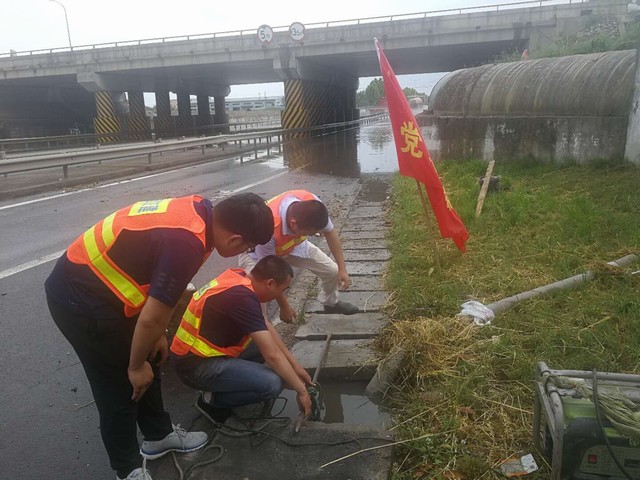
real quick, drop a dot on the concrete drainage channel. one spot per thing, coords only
(351, 440)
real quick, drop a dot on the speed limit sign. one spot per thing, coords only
(265, 34)
(296, 30)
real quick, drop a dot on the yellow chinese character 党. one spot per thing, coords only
(411, 139)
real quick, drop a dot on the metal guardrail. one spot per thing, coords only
(28, 144)
(66, 159)
(332, 23)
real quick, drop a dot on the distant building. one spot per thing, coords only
(255, 103)
(232, 105)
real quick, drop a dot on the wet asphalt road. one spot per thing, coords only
(49, 427)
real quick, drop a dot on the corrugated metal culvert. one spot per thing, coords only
(598, 84)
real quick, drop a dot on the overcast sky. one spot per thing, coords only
(38, 24)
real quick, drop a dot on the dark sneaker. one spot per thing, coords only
(216, 415)
(177, 441)
(344, 308)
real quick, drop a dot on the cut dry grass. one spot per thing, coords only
(474, 383)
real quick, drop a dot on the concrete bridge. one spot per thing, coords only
(45, 92)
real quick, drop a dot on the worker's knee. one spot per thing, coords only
(271, 386)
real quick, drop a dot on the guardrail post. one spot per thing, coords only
(255, 148)
(3, 154)
(149, 158)
(65, 171)
(202, 149)
(241, 159)
(268, 146)
(279, 144)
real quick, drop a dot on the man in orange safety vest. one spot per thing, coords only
(298, 214)
(223, 339)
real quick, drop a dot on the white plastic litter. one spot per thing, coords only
(481, 314)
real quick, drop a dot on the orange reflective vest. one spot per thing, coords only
(286, 243)
(92, 248)
(188, 337)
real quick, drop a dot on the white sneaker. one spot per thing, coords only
(137, 474)
(177, 441)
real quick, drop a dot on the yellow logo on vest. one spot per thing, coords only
(150, 206)
(204, 288)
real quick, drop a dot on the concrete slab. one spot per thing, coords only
(365, 268)
(365, 301)
(367, 212)
(268, 458)
(365, 203)
(355, 235)
(346, 360)
(351, 244)
(371, 283)
(364, 224)
(360, 325)
(367, 254)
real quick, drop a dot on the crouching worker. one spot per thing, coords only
(223, 339)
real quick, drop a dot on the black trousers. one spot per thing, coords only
(103, 347)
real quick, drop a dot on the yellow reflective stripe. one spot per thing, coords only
(122, 284)
(291, 243)
(197, 344)
(107, 230)
(191, 318)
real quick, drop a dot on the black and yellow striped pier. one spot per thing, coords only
(105, 123)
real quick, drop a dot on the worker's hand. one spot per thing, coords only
(343, 279)
(161, 347)
(287, 314)
(140, 379)
(302, 374)
(304, 403)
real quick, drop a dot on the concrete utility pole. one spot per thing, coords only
(66, 19)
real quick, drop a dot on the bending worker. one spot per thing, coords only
(297, 214)
(112, 294)
(224, 338)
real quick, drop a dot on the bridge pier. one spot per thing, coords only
(220, 116)
(184, 126)
(105, 121)
(204, 114)
(163, 123)
(137, 121)
(309, 103)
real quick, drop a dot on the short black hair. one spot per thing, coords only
(245, 214)
(310, 214)
(274, 267)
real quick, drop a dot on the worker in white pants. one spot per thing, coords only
(298, 214)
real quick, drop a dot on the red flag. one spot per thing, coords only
(413, 156)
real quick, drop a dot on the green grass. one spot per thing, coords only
(476, 384)
(630, 39)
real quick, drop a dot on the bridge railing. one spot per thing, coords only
(332, 23)
(67, 159)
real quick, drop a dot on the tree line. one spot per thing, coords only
(370, 97)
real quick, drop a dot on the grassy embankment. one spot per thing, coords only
(474, 386)
(573, 45)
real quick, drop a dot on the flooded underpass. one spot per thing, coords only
(355, 151)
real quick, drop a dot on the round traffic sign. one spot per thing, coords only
(296, 30)
(265, 34)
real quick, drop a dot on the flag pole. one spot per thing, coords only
(423, 201)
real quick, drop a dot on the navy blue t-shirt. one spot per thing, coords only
(164, 258)
(230, 315)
